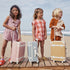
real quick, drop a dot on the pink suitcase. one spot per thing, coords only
(18, 49)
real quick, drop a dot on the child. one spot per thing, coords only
(56, 25)
(12, 31)
(39, 29)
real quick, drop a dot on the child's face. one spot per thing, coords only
(15, 11)
(40, 14)
(60, 14)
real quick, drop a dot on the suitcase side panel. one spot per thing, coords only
(35, 51)
(58, 51)
(32, 50)
(18, 50)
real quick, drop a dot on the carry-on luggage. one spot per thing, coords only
(58, 50)
(33, 51)
(18, 50)
(17, 54)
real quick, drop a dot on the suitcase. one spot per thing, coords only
(33, 51)
(58, 51)
(18, 50)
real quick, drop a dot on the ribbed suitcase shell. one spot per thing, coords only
(18, 50)
(33, 51)
(58, 51)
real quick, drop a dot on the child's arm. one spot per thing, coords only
(50, 26)
(63, 27)
(45, 32)
(51, 23)
(33, 32)
(5, 24)
(19, 32)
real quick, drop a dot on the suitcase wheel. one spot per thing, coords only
(63, 61)
(10, 61)
(37, 62)
(53, 61)
(16, 62)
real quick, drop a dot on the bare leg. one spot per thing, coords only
(11, 46)
(38, 47)
(42, 48)
(3, 48)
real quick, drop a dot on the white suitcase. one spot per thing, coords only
(33, 51)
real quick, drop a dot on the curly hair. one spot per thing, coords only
(19, 12)
(37, 10)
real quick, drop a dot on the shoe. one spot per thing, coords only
(44, 58)
(39, 59)
(2, 62)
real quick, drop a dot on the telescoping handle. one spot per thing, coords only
(13, 35)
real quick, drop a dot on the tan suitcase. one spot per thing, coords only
(58, 51)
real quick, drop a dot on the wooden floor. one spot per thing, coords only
(46, 64)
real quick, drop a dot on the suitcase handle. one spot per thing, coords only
(36, 40)
(13, 35)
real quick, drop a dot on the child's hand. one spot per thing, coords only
(33, 38)
(45, 36)
(59, 29)
(13, 28)
(55, 27)
(19, 39)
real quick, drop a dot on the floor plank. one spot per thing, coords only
(66, 63)
(41, 63)
(19, 64)
(59, 63)
(68, 60)
(24, 62)
(11, 65)
(47, 63)
(29, 64)
(53, 63)
(35, 64)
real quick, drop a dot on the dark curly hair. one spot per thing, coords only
(19, 12)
